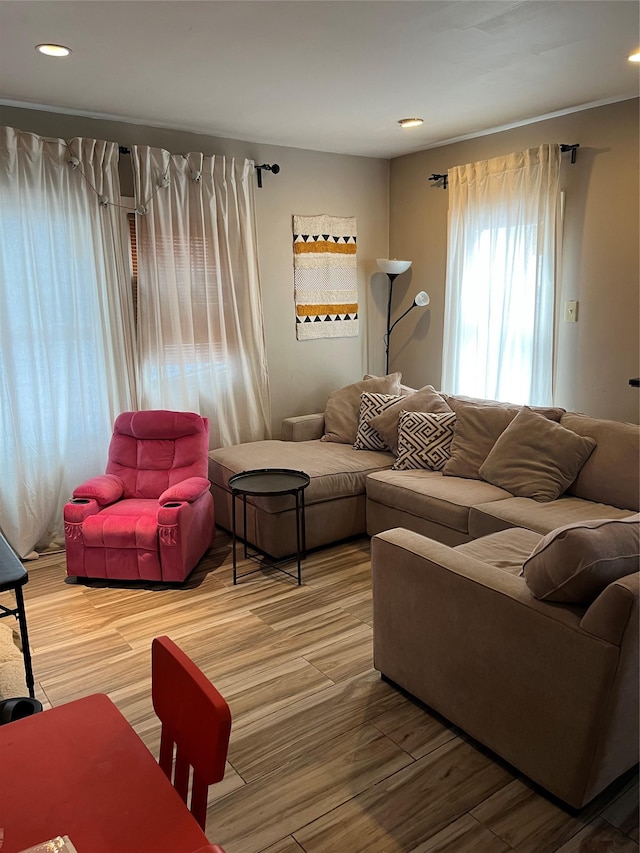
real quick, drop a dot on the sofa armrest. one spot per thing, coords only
(608, 616)
(303, 427)
(469, 640)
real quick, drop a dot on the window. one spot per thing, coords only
(500, 277)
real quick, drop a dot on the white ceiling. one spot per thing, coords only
(329, 76)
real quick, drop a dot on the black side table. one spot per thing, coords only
(269, 482)
(13, 576)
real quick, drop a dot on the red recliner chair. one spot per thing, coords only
(150, 516)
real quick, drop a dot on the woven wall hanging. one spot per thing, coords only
(325, 277)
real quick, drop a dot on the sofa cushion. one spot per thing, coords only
(427, 399)
(612, 473)
(424, 439)
(574, 563)
(367, 438)
(343, 406)
(477, 429)
(427, 494)
(336, 470)
(506, 550)
(485, 518)
(536, 458)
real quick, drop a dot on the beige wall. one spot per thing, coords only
(302, 373)
(596, 356)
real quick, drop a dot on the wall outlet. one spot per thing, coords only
(571, 311)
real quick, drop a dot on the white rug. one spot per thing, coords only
(12, 678)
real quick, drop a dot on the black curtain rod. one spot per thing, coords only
(268, 167)
(563, 148)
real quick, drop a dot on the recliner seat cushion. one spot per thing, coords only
(127, 524)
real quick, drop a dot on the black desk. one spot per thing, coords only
(13, 576)
(269, 482)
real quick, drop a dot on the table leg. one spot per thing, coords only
(24, 636)
(233, 536)
(298, 534)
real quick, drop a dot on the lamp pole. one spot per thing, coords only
(392, 277)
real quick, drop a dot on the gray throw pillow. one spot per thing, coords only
(576, 562)
(478, 427)
(342, 413)
(427, 399)
(535, 457)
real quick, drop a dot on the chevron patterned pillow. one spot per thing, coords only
(424, 439)
(367, 438)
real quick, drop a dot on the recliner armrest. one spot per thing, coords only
(188, 490)
(104, 489)
(303, 427)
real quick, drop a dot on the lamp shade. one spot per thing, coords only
(422, 299)
(392, 266)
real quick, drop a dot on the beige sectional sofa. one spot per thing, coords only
(552, 686)
(356, 491)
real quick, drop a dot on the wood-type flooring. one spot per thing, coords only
(325, 757)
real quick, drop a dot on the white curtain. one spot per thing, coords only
(499, 312)
(200, 333)
(65, 325)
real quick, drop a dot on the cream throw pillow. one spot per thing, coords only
(576, 562)
(535, 457)
(426, 399)
(343, 406)
(367, 438)
(424, 439)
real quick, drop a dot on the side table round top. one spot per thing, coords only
(268, 481)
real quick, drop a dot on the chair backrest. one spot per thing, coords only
(196, 724)
(154, 449)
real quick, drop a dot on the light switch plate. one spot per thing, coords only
(571, 311)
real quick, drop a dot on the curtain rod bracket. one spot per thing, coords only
(572, 148)
(443, 178)
(268, 168)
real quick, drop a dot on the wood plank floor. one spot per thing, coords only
(325, 757)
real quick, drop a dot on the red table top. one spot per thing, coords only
(81, 770)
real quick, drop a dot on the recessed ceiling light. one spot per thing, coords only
(635, 57)
(53, 49)
(410, 122)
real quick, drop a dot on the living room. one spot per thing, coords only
(399, 213)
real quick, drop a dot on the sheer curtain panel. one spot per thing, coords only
(200, 327)
(65, 325)
(499, 312)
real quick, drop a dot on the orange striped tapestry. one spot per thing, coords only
(325, 276)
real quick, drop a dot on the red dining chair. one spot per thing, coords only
(150, 515)
(196, 724)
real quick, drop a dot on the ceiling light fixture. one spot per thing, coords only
(635, 57)
(53, 49)
(410, 122)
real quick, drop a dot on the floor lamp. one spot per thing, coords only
(393, 268)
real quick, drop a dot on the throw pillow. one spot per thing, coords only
(477, 429)
(577, 561)
(426, 399)
(535, 457)
(367, 438)
(343, 406)
(424, 439)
